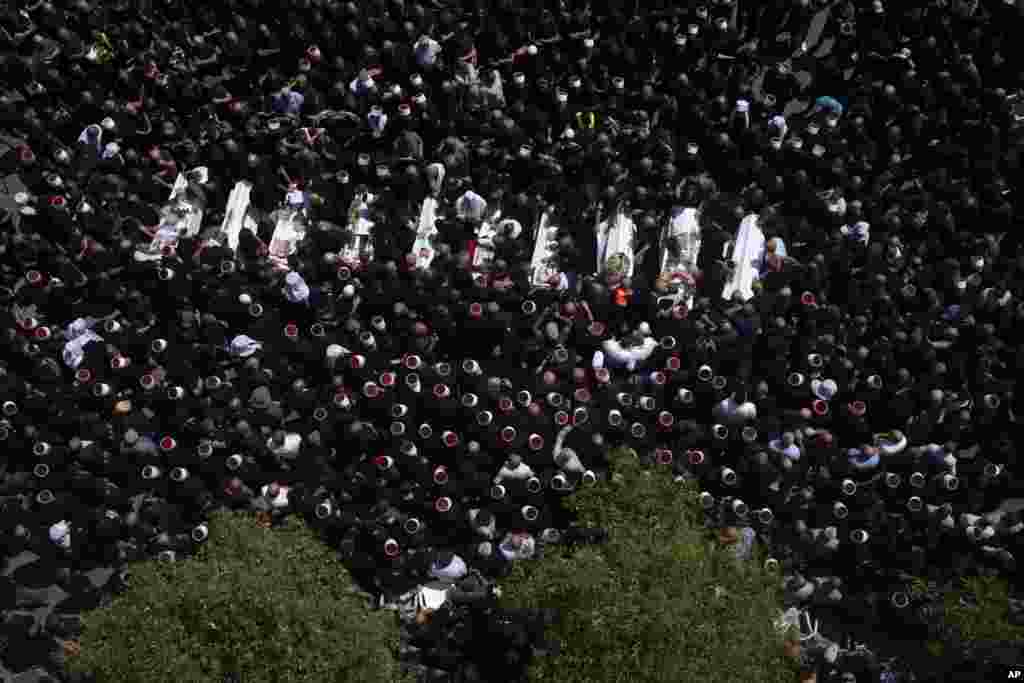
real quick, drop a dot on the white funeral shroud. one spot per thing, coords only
(236, 215)
(616, 237)
(544, 263)
(181, 216)
(426, 230)
(747, 255)
(361, 228)
(483, 254)
(679, 269)
(289, 230)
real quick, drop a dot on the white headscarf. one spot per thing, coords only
(84, 136)
(79, 333)
(471, 205)
(244, 346)
(296, 290)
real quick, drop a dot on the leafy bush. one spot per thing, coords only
(987, 618)
(657, 602)
(267, 605)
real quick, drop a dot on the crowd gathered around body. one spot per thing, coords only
(411, 269)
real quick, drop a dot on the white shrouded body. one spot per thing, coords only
(289, 229)
(181, 216)
(679, 268)
(361, 228)
(747, 254)
(426, 233)
(236, 215)
(544, 263)
(616, 244)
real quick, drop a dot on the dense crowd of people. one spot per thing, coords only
(855, 412)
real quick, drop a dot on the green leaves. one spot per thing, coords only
(269, 604)
(643, 607)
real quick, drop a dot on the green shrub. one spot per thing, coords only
(987, 621)
(643, 607)
(271, 605)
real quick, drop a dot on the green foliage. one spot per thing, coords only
(644, 607)
(272, 605)
(987, 621)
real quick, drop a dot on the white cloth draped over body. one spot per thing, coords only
(181, 216)
(361, 228)
(423, 247)
(289, 229)
(614, 354)
(236, 216)
(747, 257)
(482, 252)
(78, 334)
(684, 227)
(544, 263)
(616, 237)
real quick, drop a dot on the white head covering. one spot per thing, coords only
(84, 136)
(73, 353)
(78, 327)
(471, 205)
(377, 119)
(244, 346)
(60, 533)
(456, 569)
(296, 290)
(825, 390)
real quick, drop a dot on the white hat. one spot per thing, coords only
(825, 390)
(244, 346)
(60, 532)
(108, 123)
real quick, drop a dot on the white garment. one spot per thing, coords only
(631, 357)
(292, 443)
(280, 500)
(74, 353)
(573, 463)
(455, 570)
(296, 290)
(520, 473)
(746, 257)
(427, 49)
(244, 346)
(60, 533)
